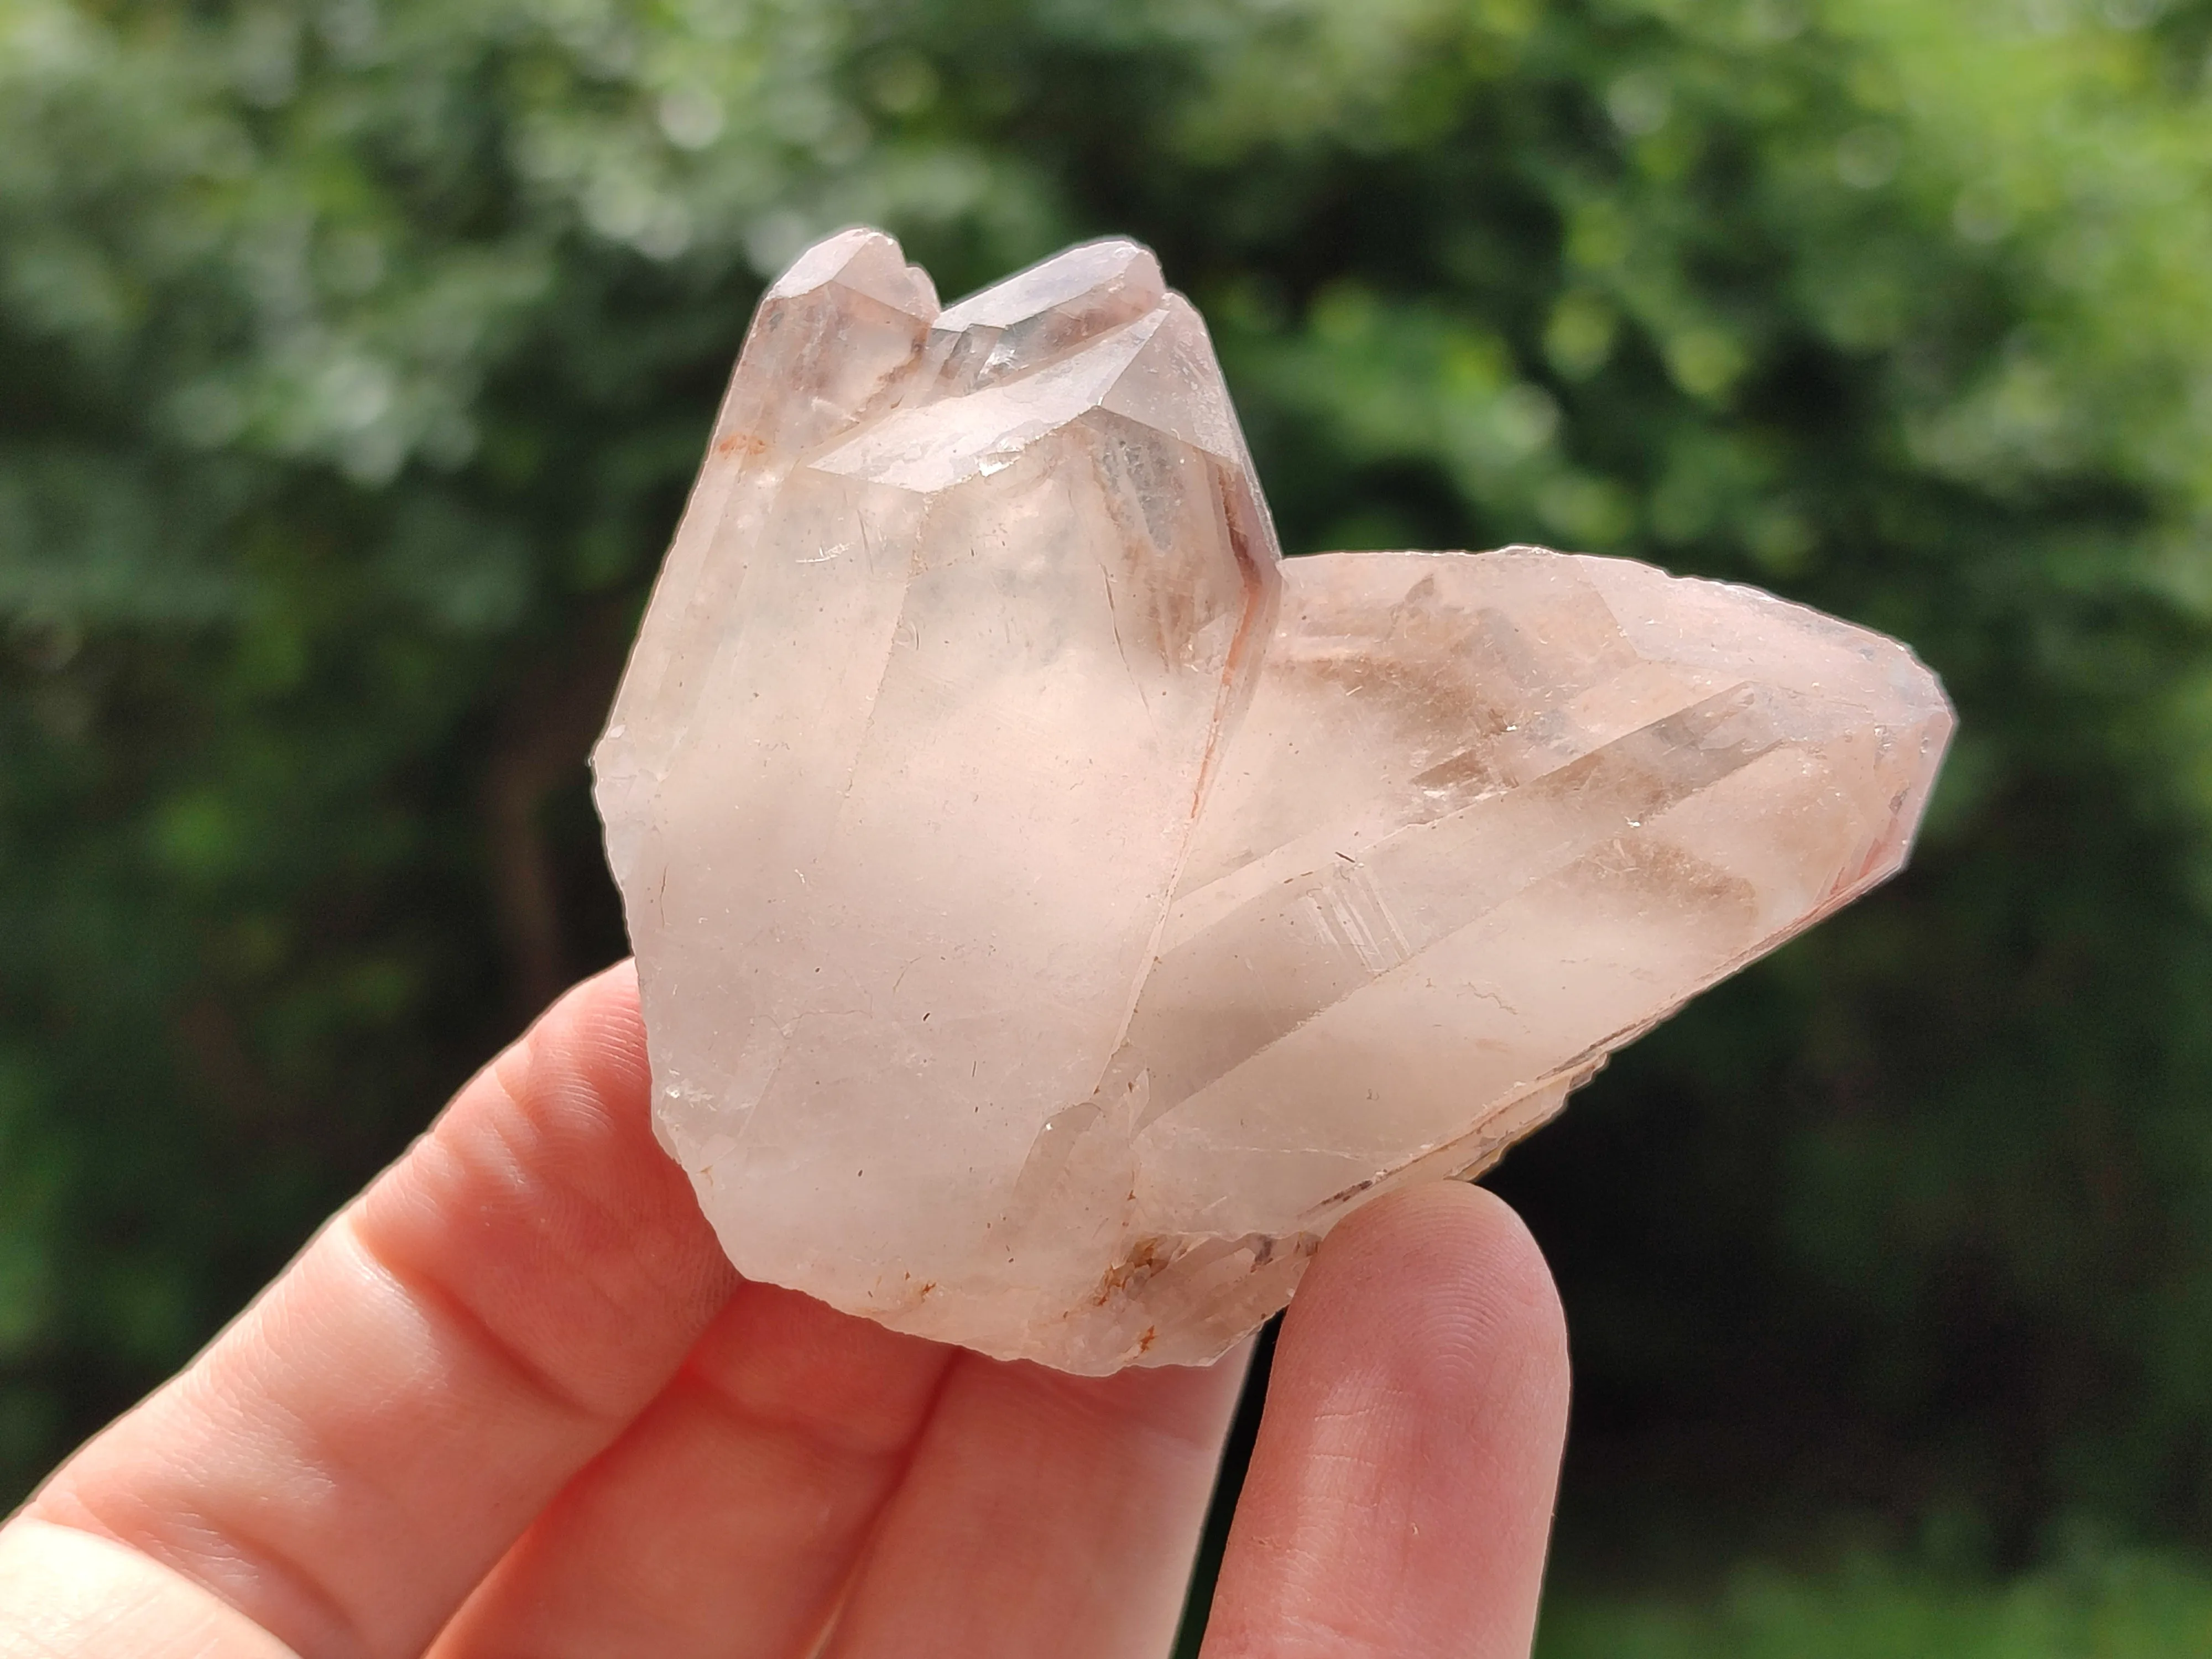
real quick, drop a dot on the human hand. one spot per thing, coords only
(512, 1402)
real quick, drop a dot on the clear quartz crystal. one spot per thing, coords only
(1053, 912)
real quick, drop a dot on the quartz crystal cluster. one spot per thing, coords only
(1054, 912)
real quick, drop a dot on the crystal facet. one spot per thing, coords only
(1053, 913)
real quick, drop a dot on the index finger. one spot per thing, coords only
(352, 1454)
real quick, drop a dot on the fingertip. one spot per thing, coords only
(540, 1205)
(1446, 1278)
(1440, 1227)
(1400, 1494)
(591, 1037)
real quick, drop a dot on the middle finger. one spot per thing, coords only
(1044, 1514)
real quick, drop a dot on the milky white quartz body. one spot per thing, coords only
(1053, 912)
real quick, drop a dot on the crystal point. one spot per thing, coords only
(1053, 913)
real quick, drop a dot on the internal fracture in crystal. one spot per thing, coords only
(1054, 912)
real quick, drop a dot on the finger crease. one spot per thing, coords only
(534, 1376)
(819, 1433)
(314, 1603)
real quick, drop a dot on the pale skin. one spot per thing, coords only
(512, 1403)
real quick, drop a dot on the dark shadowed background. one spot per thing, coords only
(354, 357)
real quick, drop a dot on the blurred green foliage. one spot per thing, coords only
(354, 355)
(2118, 1607)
